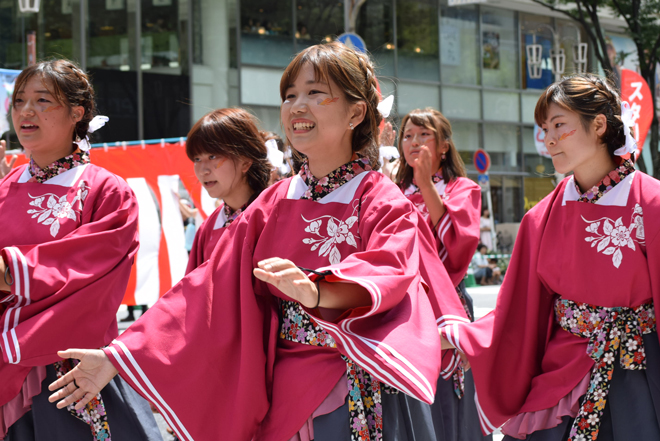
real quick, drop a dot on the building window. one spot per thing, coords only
(499, 46)
(459, 52)
(266, 32)
(417, 40)
(317, 21)
(534, 29)
(502, 144)
(375, 26)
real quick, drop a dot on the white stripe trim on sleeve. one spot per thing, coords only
(154, 396)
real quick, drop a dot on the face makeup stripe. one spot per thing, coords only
(328, 101)
(567, 134)
(52, 108)
(222, 161)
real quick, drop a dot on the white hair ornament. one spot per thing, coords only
(96, 123)
(627, 118)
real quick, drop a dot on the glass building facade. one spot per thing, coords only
(159, 65)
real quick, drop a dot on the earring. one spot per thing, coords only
(77, 138)
(351, 126)
(444, 156)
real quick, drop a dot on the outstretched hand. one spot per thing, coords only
(84, 381)
(289, 279)
(5, 167)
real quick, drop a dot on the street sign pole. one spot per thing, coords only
(481, 162)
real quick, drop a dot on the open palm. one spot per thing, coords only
(84, 381)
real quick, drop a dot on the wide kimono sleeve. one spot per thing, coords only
(204, 353)
(458, 230)
(66, 292)
(396, 339)
(505, 348)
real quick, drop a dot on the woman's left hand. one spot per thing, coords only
(289, 279)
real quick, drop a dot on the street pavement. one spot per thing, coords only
(484, 298)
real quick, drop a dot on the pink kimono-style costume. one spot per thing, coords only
(209, 233)
(456, 239)
(69, 243)
(225, 350)
(571, 349)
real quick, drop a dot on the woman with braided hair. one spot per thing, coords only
(67, 243)
(316, 309)
(571, 350)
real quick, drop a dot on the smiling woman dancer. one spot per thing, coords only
(67, 242)
(230, 160)
(297, 353)
(571, 350)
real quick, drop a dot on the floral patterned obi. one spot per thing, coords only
(609, 330)
(364, 391)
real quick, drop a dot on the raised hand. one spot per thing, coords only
(4, 166)
(422, 166)
(387, 135)
(288, 278)
(84, 381)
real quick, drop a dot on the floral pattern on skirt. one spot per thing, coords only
(609, 330)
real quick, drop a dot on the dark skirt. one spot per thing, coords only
(129, 417)
(408, 419)
(632, 411)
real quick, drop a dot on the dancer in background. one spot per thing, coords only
(342, 310)
(67, 243)
(229, 157)
(432, 175)
(571, 350)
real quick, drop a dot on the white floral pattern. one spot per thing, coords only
(337, 231)
(616, 236)
(58, 207)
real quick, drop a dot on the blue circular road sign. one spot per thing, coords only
(354, 41)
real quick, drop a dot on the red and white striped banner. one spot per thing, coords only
(154, 172)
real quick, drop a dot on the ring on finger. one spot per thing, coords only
(75, 384)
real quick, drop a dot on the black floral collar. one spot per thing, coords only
(318, 188)
(606, 184)
(41, 175)
(231, 215)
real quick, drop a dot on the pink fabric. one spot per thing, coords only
(220, 308)
(205, 240)
(71, 261)
(457, 232)
(522, 360)
(333, 401)
(20, 404)
(526, 423)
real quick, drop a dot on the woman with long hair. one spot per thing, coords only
(432, 176)
(316, 307)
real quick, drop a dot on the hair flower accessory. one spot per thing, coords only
(627, 118)
(96, 123)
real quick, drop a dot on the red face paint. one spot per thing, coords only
(220, 162)
(328, 101)
(52, 108)
(566, 135)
